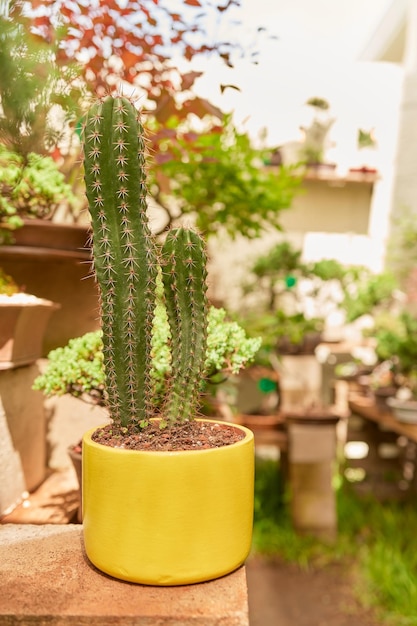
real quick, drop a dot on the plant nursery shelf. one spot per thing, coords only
(365, 407)
(44, 253)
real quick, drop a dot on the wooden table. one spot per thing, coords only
(387, 477)
(366, 407)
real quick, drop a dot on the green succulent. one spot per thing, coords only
(77, 368)
(29, 188)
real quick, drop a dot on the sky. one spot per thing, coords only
(315, 53)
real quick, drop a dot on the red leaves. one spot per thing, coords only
(189, 79)
(202, 107)
(129, 58)
(145, 35)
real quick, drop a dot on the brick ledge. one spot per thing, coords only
(45, 578)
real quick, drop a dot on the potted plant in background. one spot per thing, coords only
(395, 339)
(32, 188)
(315, 143)
(23, 322)
(161, 515)
(42, 234)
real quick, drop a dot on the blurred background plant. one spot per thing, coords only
(286, 297)
(31, 186)
(203, 166)
(7, 285)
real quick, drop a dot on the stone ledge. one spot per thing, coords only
(46, 578)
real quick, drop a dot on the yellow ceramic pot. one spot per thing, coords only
(168, 518)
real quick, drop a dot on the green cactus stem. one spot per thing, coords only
(125, 260)
(184, 277)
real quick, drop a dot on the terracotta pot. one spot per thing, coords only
(260, 422)
(168, 518)
(76, 458)
(63, 239)
(22, 330)
(52, 261)
(308, 344)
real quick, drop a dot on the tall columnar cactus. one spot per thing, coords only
(184, 276)
(125, 259)
(126, 266)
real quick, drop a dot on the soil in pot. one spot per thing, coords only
(194, 435)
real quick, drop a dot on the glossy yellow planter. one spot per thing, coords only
(168, 518)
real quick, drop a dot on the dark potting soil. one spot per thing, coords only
(194, 435)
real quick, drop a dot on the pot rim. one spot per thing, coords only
(249, 436)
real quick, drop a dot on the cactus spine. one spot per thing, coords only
(184, 276)
(125, 260)
(126, 265)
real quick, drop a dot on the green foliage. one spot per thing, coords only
(366, 292)
(281, 332)
(396, 341)
(77, 368)
(31, 186)
(218, 178)
(280, 260)
(7, 284)
(228, 348)
(275, 273)
(318, 103)
(402, 244)
(34, 90)
(366, 139)
(293, 297)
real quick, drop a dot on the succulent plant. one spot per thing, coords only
(77, 368)
(127, 263)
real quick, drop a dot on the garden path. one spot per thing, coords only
(282, 594)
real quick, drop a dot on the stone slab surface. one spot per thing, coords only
(46, 578)
(54, 502)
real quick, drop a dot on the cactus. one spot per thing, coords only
(184, 278)
(126, 265)
(124, 254)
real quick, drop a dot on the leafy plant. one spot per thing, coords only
(217, 177)
(38, 98)
(202, 166)
(31, 186)
(136, 43)
(315, 135)
(396, 341)
(366, 292)
(318, 103)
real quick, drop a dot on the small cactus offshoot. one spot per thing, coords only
(184, 278)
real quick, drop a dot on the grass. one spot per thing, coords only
(380, 539)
